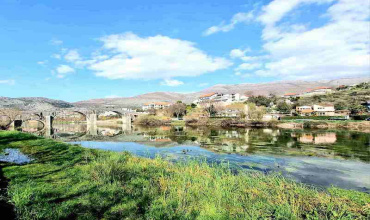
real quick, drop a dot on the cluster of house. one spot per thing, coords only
(156, 105)
(310, 92)
(210, 97)
(221, 98)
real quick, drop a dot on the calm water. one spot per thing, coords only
(317, 157)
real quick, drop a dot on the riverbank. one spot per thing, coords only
(68, 181)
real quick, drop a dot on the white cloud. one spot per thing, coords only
(72, 56)
(171, 82)
(7, 81)
(42, 63)
(337, 49)
(237, 18)
(56, 56)
(238, 53)
(63, 70)
(56, 42)
(157, 57)
(248, 66)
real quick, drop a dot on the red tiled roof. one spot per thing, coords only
(157, 103)
(207, 95)
(289, 94)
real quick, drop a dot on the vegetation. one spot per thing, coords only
(254, 112)
(66, 181)
(151, 120)
(343, 99)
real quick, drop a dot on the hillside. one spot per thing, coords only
(33, 103)
(278, 88)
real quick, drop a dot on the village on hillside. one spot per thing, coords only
(340, 103)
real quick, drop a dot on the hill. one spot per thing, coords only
(278, 88)
(33, 103)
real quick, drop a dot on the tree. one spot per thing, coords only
(178, 109)
(193, 105)
(254, 112)
(11, 114)
(340, 105)
(357, 109)
(283, 107)
(210, 107)
(152, 111)
(260, 100)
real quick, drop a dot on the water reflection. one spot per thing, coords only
(317, 157)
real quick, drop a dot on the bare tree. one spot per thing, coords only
(178, 109)
(12, 115)
(211, 107)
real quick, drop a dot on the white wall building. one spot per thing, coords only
(156, 105)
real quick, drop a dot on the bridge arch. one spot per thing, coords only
(40, 121)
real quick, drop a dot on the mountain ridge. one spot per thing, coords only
(277, 88)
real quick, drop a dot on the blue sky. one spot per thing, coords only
(78, 50)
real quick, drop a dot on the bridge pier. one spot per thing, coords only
(15, 124)
(126, 123)
(91, 119)
(49, 121)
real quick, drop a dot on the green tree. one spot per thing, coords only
(283, 107)
(260, 100)
(254, 112)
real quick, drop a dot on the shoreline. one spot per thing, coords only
(360, 126)
(65, 179)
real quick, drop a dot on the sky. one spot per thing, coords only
(78, 50)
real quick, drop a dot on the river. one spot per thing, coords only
(317, 157)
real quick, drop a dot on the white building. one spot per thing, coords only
(318, 91)
(324, 110)
(220, 97)
(156, 105)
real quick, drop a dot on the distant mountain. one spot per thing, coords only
(33, 103)
(277, 88)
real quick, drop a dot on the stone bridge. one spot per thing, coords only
(90, 115)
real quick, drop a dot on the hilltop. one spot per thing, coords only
(33, 103)
(277, 88)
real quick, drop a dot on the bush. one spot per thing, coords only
(151, 120)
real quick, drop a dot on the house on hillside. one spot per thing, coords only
(220, 97)
(290, 95)
(324, 110)
(156, 105)
(318, 91)
(304, 110)
(318, 110)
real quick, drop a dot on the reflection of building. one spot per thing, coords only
(306, 138)
(324, 138)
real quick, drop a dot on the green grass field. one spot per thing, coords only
(68, 181)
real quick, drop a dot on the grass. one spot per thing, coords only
(70, 182)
